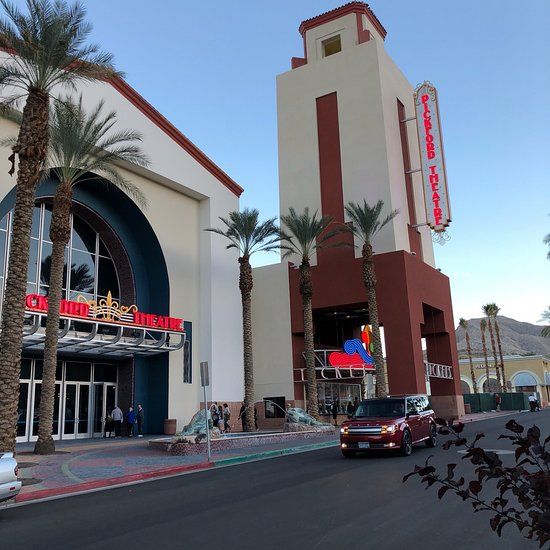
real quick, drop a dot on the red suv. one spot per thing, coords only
(389, 423)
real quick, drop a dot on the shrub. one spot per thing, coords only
(523, 489)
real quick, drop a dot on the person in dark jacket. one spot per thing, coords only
(108, 425)
(335, 407)
(241, 416)
(140, 417)
(350, 408)
(130, 421)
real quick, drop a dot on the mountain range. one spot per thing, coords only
(517, 337)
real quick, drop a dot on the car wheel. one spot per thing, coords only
(406, 444)
(348, 454)
(432, 440)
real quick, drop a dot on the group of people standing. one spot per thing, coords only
(221, 415)
(116, 418)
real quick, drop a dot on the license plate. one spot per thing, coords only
(363, 445)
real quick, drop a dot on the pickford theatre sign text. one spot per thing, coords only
(436, 196)
(106, 310)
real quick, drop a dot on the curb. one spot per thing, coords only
(272, 454)
(112, 483)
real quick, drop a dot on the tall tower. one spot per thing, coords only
(347, 133)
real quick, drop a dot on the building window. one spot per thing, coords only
(92, 273)
(332, 45)
(274, 407)
(342, 394)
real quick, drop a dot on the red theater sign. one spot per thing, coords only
(436, 196)
(105, 310)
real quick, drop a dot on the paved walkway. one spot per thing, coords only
(474, 417)
(79, 465)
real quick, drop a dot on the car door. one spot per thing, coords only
(424, 408)
(414, 419)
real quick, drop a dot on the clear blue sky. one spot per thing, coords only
(210, 68)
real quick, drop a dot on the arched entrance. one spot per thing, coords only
(113, 249)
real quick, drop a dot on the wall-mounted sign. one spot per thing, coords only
(106, 310)
(436, 195)
(355, 355)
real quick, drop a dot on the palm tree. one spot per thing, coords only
(489, 312)
(546, 318)
(248, 236)
(82, 146)
(46, 47)
(494, 314)
(305, 235)
(464, 324)
(366, 224)
(483, 327)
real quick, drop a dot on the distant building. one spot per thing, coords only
(529, 373)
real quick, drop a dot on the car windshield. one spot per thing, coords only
(381, 408)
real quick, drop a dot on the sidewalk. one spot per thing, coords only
(96, 463)
(476, 417)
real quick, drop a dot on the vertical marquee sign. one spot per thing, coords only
(428, 125)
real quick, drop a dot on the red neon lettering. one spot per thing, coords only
(425, 98)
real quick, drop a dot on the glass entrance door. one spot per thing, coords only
(104, 403)
(76, 410)
(35, 411)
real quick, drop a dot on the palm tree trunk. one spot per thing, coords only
(484, 346)
(60, 230)
(502, 373)
(31, 151)
(369, 280)
(245, 284)
(494, 348)
(469, 351)
(306, 291)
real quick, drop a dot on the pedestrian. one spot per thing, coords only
(140, 417)
(498, 401)
(533, 402)
(130, 421)
(214, 414)
(355, 404)
(242, 416)
(350, 408)
(256, 418)
(226, 418)
(117, 417)
(220, 413)
(108, 425)
(335, 407)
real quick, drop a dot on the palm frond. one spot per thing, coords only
(304, 233)
(48, 45)
(365, 220)
(247, 234)
(84, 145)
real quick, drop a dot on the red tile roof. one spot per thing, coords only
(350, 7)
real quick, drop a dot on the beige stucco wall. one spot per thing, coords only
(184, 199)
(368, 84)
(272, 346)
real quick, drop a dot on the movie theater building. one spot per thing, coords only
(148, 293)
(347, 132)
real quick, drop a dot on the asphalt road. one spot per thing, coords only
(310, 500)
